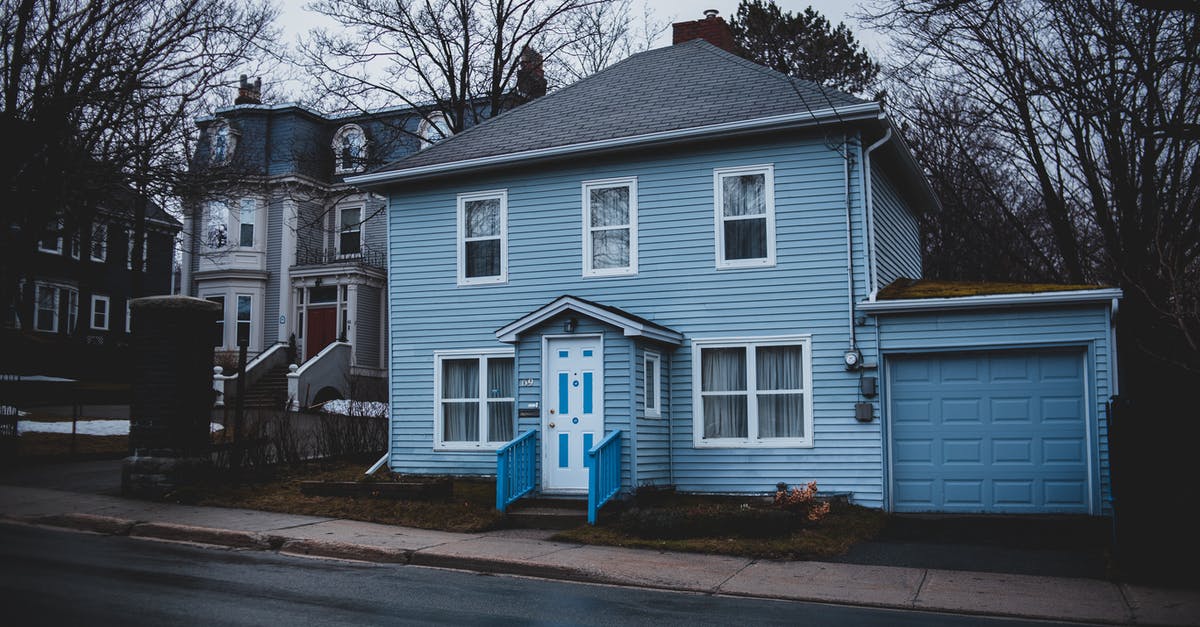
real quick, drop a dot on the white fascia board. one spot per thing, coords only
(510, 333)
(867, 110)
(991, 300)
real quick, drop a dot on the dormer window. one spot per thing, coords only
(222, 142)
(434, 129)
(349, 149)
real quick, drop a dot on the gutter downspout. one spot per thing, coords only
(870, 196)
(1114, 380)
(846, 157)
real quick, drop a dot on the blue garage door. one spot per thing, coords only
(999, 432)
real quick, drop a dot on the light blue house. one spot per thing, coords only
(673, 273)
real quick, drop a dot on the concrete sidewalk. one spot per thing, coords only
(525, 552)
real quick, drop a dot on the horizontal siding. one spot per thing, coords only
(897, 234)
(677, 285)
(1083, 326)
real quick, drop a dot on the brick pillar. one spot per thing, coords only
(169, 440)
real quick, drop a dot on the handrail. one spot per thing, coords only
(516, 469)
(256, 367)
(604, 473)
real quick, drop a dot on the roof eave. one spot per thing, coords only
(991, 300)
(511, 332)
(866, 110)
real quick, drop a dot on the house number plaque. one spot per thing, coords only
(527, 383)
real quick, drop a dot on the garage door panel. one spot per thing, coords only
(1017, 444)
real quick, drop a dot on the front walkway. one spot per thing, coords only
(531, 553)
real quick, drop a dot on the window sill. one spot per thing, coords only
(598, 274)
(746, 443)
(458, 447)
(477, 282)
(746, 264)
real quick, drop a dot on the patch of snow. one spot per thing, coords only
(86, 427)
(36, 377)
(356, 408)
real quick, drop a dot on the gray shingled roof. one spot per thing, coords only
(682, 86)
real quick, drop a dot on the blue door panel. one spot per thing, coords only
(1001, 432)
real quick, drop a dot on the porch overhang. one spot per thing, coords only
(631, 325)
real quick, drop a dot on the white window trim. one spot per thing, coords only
(75, 245)
(438, 428)
(255, 234)
(58, 242)
(632, 269)
(751, 441)
(128, 317)
(656, 410)
(768, 170)
(230, 142)
(224, 325)
(37, 302)
(501, 278)
(72, 310)
(99, 234)
(337, 230)
(427, 125)
(336, 145)
(237, 320)
(107, 312)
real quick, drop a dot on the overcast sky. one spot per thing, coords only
(296, 20)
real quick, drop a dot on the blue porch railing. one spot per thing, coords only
(516, 468)
(604, 476)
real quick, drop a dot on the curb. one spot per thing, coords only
(90, 523)
(506, 567)
(341, 550)
(200, 535)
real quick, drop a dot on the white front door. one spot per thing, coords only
(574, 418)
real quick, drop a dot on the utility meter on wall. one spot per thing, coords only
(853, 359)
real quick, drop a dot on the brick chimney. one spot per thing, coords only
(712, 29)
(249, 93)
(531, 78)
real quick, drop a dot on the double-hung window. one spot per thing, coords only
(46, 314)
(216, 230)
(245, 314)
(350, 231)
(100, 312)
(652, 388)
(219, 332)
(483, 237)
(72, 310)
(53, 241)
(145, 250)
(246, 222)
(476, 396)
(98, 251)
(754, 392)
(745, 216)
(610, 227)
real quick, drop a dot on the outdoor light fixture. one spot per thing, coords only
(569, 325)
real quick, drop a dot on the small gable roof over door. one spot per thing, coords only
(630, 324)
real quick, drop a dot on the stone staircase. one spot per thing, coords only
(270, 391)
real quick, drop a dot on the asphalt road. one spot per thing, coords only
(50, 577)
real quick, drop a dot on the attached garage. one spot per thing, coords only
(999, 432)
(997, 403)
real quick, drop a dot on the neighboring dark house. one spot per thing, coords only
(78, 317)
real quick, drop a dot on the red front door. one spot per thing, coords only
(321, 331)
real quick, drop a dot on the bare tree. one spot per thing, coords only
(454, 57)
(99, 96)
(1094, 105)
(605, 33)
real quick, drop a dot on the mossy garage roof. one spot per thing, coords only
(904, 289)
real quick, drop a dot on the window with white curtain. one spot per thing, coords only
(745, 216)
(753, 392)
(476, 397)
(483, 237)
(610, 227)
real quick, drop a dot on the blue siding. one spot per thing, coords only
(653, 454)
(366, 327)
(1085, 327)
(897, 234)
(677, 285)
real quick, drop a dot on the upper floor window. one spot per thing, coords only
(100, 312)
(610, 227)
(145, 250)
(246, 220)
(222, 141)
(753, 392)
(99, 247)
(434, 129)
(349, 231)
(53, 241)
(45, 316)
(349, 149)
(483, 237)
(216, 231)
(745, 216)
